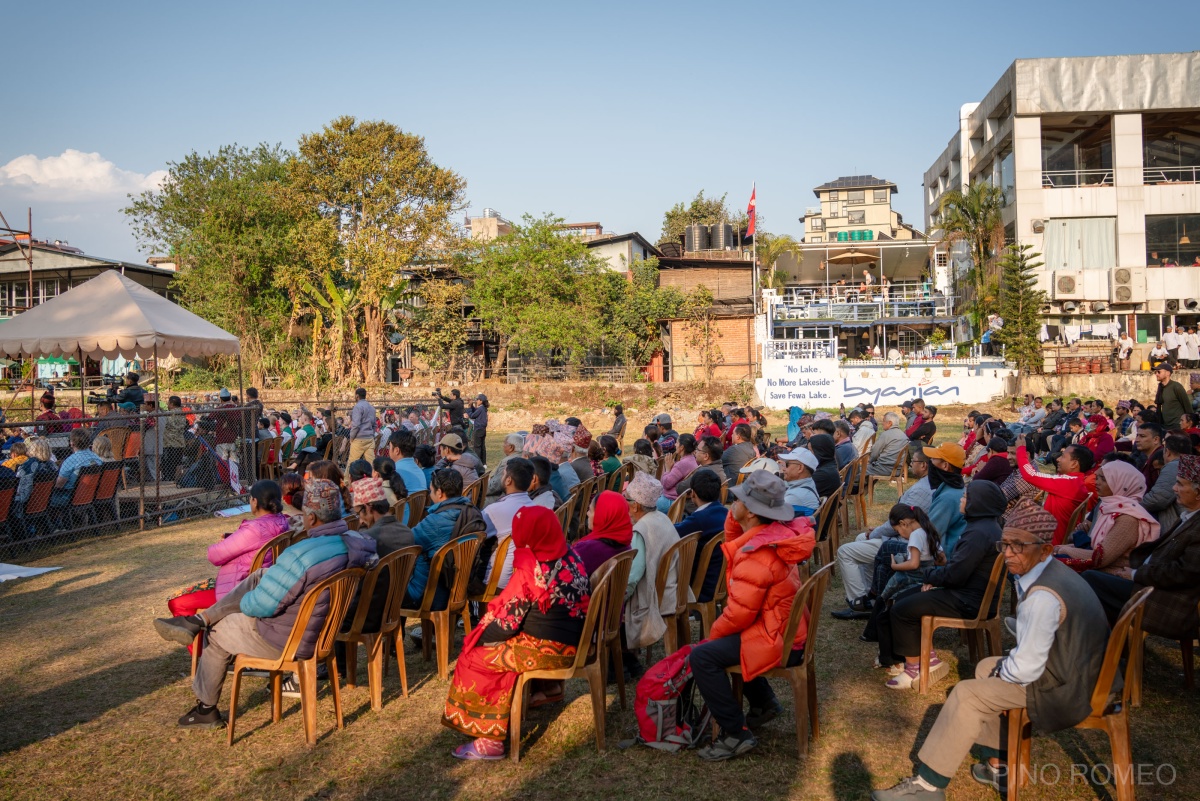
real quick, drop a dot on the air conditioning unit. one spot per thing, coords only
(1068, 284)
(1127, 285)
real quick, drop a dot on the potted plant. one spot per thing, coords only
(946, 366)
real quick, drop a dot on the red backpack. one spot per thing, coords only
(671, 714)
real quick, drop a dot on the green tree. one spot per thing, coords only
(229, 222)
(436, 327)
(703, 210)
(975, 218)
(634, 305)
(538, 289)
(770, 247)
(700, 330)
(1020, 305)
(389, 203)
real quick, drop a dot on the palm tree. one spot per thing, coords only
(770, 247)
(974, 218)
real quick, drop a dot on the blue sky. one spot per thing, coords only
(597, 112)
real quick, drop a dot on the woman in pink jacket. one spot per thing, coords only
(233, 554)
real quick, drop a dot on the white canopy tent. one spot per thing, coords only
(112, 315)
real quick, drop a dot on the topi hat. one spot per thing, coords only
(367, 490)
(645, 489)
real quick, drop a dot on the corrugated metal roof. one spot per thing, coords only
(856, 182)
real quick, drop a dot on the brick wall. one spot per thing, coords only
(724, 282)
(738, 354)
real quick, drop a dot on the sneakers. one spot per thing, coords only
(289, 687)
(908, 790)
(198, 717)
(910, 676)
(758, 717)
(858, 609)
(180, 630)
(988, 776)
(892, 670)
(727, 747)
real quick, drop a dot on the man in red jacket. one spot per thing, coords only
(1064, 491)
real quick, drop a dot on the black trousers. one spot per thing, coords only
(708, 662)
(899, 626)
(1113, 591)
(479, 444)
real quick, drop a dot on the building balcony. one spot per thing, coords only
(1171, 175)
(1070, 179)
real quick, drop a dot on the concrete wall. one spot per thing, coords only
(1108, 387)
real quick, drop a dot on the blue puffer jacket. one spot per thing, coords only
(432, 533)
(277, 598)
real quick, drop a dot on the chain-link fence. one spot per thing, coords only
(65, 477)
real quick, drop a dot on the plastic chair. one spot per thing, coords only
(610, 633)
(801, 677)
(351, 522)
(898, 476)
(475, 491)
(678, 508)
(8, 491)
(1077, 515)
(399, 566)
(274, 546)
(708, 609)
(1112, 719)
(564, 512)
(417, 503)
(463, 550)
(340, 589)
(583, 499)
(106, 493)
(498, 557)
(262, 453)
(987, 620)
(1138, 655)
(679, 558)
(37, 506)
(621, 476)
(133, 452)
(87, 481)
(586, 666)
(827, 520)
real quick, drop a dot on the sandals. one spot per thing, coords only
(547, 699)
(469, 752)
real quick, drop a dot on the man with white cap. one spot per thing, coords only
(667, 436)
(798, 466)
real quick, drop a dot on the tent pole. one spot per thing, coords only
(82, 381)
(249, 462)
(158, 438)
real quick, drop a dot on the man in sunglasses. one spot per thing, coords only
(1061, 637)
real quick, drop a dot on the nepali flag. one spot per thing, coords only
(750, 212)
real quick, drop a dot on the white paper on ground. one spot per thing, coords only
(16, 571)
(234, 512)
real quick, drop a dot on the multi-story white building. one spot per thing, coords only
(1098, 159)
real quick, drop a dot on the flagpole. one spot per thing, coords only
(755, 289)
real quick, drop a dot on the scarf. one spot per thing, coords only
(951, 478)
(793, 427)
(611, 519)
(546, 572)
(597, 470)
(1128, 486)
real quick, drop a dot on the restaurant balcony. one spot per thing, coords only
(907, 300)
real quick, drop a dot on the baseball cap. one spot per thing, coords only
(663, 419)
(761, 463)
(1164, 366)
(224, 394)
(452, 441)
(950, 452)
(802, 455)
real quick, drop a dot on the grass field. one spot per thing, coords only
(89, 696)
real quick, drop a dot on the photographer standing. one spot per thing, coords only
(453, 407)
(479, 419)
(131, 396)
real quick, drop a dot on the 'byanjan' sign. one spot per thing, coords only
(827, 383)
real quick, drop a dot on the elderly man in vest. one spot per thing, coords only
(1061, 637)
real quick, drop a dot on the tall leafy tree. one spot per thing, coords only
(231, 226)
(538, 288)
(436, 327)
(770, 247)
(700, 331)
(702, 210)
(389, 203)
(974, 217)
(634, 305)
(1020, 306)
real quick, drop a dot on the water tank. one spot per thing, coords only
(695, 238)
(720, 236)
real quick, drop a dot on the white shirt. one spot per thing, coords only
(1171, 340)
(919, 539)
(1126, 345)
(498, 517)
(1037, 624)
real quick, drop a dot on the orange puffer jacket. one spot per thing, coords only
(763, 580)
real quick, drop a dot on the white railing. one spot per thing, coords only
(1171, 175)
(1067, 179)
(800, 349)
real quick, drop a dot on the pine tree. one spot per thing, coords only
(1020, 306)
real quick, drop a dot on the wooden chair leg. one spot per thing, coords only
(1122, 756)
(799, 708)
(1189, 669)
(233, 699)
(614, 647)
(351, 664)
(1133, 671)
(441, 628)
(400, 663)
(376, 647)
(814, 719)
(595, 679)
(519, 698)
(926, 650)
(276, 680)
(308, 699)
(335, 684)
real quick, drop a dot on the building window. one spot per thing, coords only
(1008, 187)
(1081, 243)
(833, 195)
(815, 224)
(833, 210)
(1171, 147)
(881, 196)
(1171, 239)
(857, 217)
(1076, 150)
(856, 196)
(20, 296)
(818, 238)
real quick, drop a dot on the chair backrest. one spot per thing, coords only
(399, 566)
(601, 582)
(679, 558)
(116, 437)
(898, 467)
(109, 480)
(474, 493)
(999, 570)
(8, 490)
(340, 588)
(621, 476)
(273, 546)
(858, 470)
(1078, 514)
(1127, 631)
(464, 549)
(87, 481)
(39, 496)
(808, 599)
(725, 492)
(679, 506)
(618, 580)
(351, 522)
(586, 490)
(844, 475)
(659, 465)
(498, 557)
(827, 516)
(741, 477)
(417, 503)
(275, 450)
(262, 450)
(133, 445)
(705, 559)
(564, 512)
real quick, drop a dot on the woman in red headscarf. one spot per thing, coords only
(611, 530)
(1099, 440)
(534, 624)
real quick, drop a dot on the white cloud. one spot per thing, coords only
(75, 176)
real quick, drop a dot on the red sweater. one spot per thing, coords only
(1064, 492)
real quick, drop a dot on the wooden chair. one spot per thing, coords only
(399, 566)
(1137, 659)
(987, 620)
(610, 633)
(828, 517)
(106, 493)
(586, 666)
(133, 452)
(340, 589)
(474, 493)
(678, 557)
(565, 511)
(87, 481)
(498, 557)
(417, 503)
(621, 476)
(898, 476)
(1077, 515)
(801, 677)
(442, 621)
(708, 609)
(678, 508)
(1112, 719)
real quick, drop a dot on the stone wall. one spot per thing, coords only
(1108, 387)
